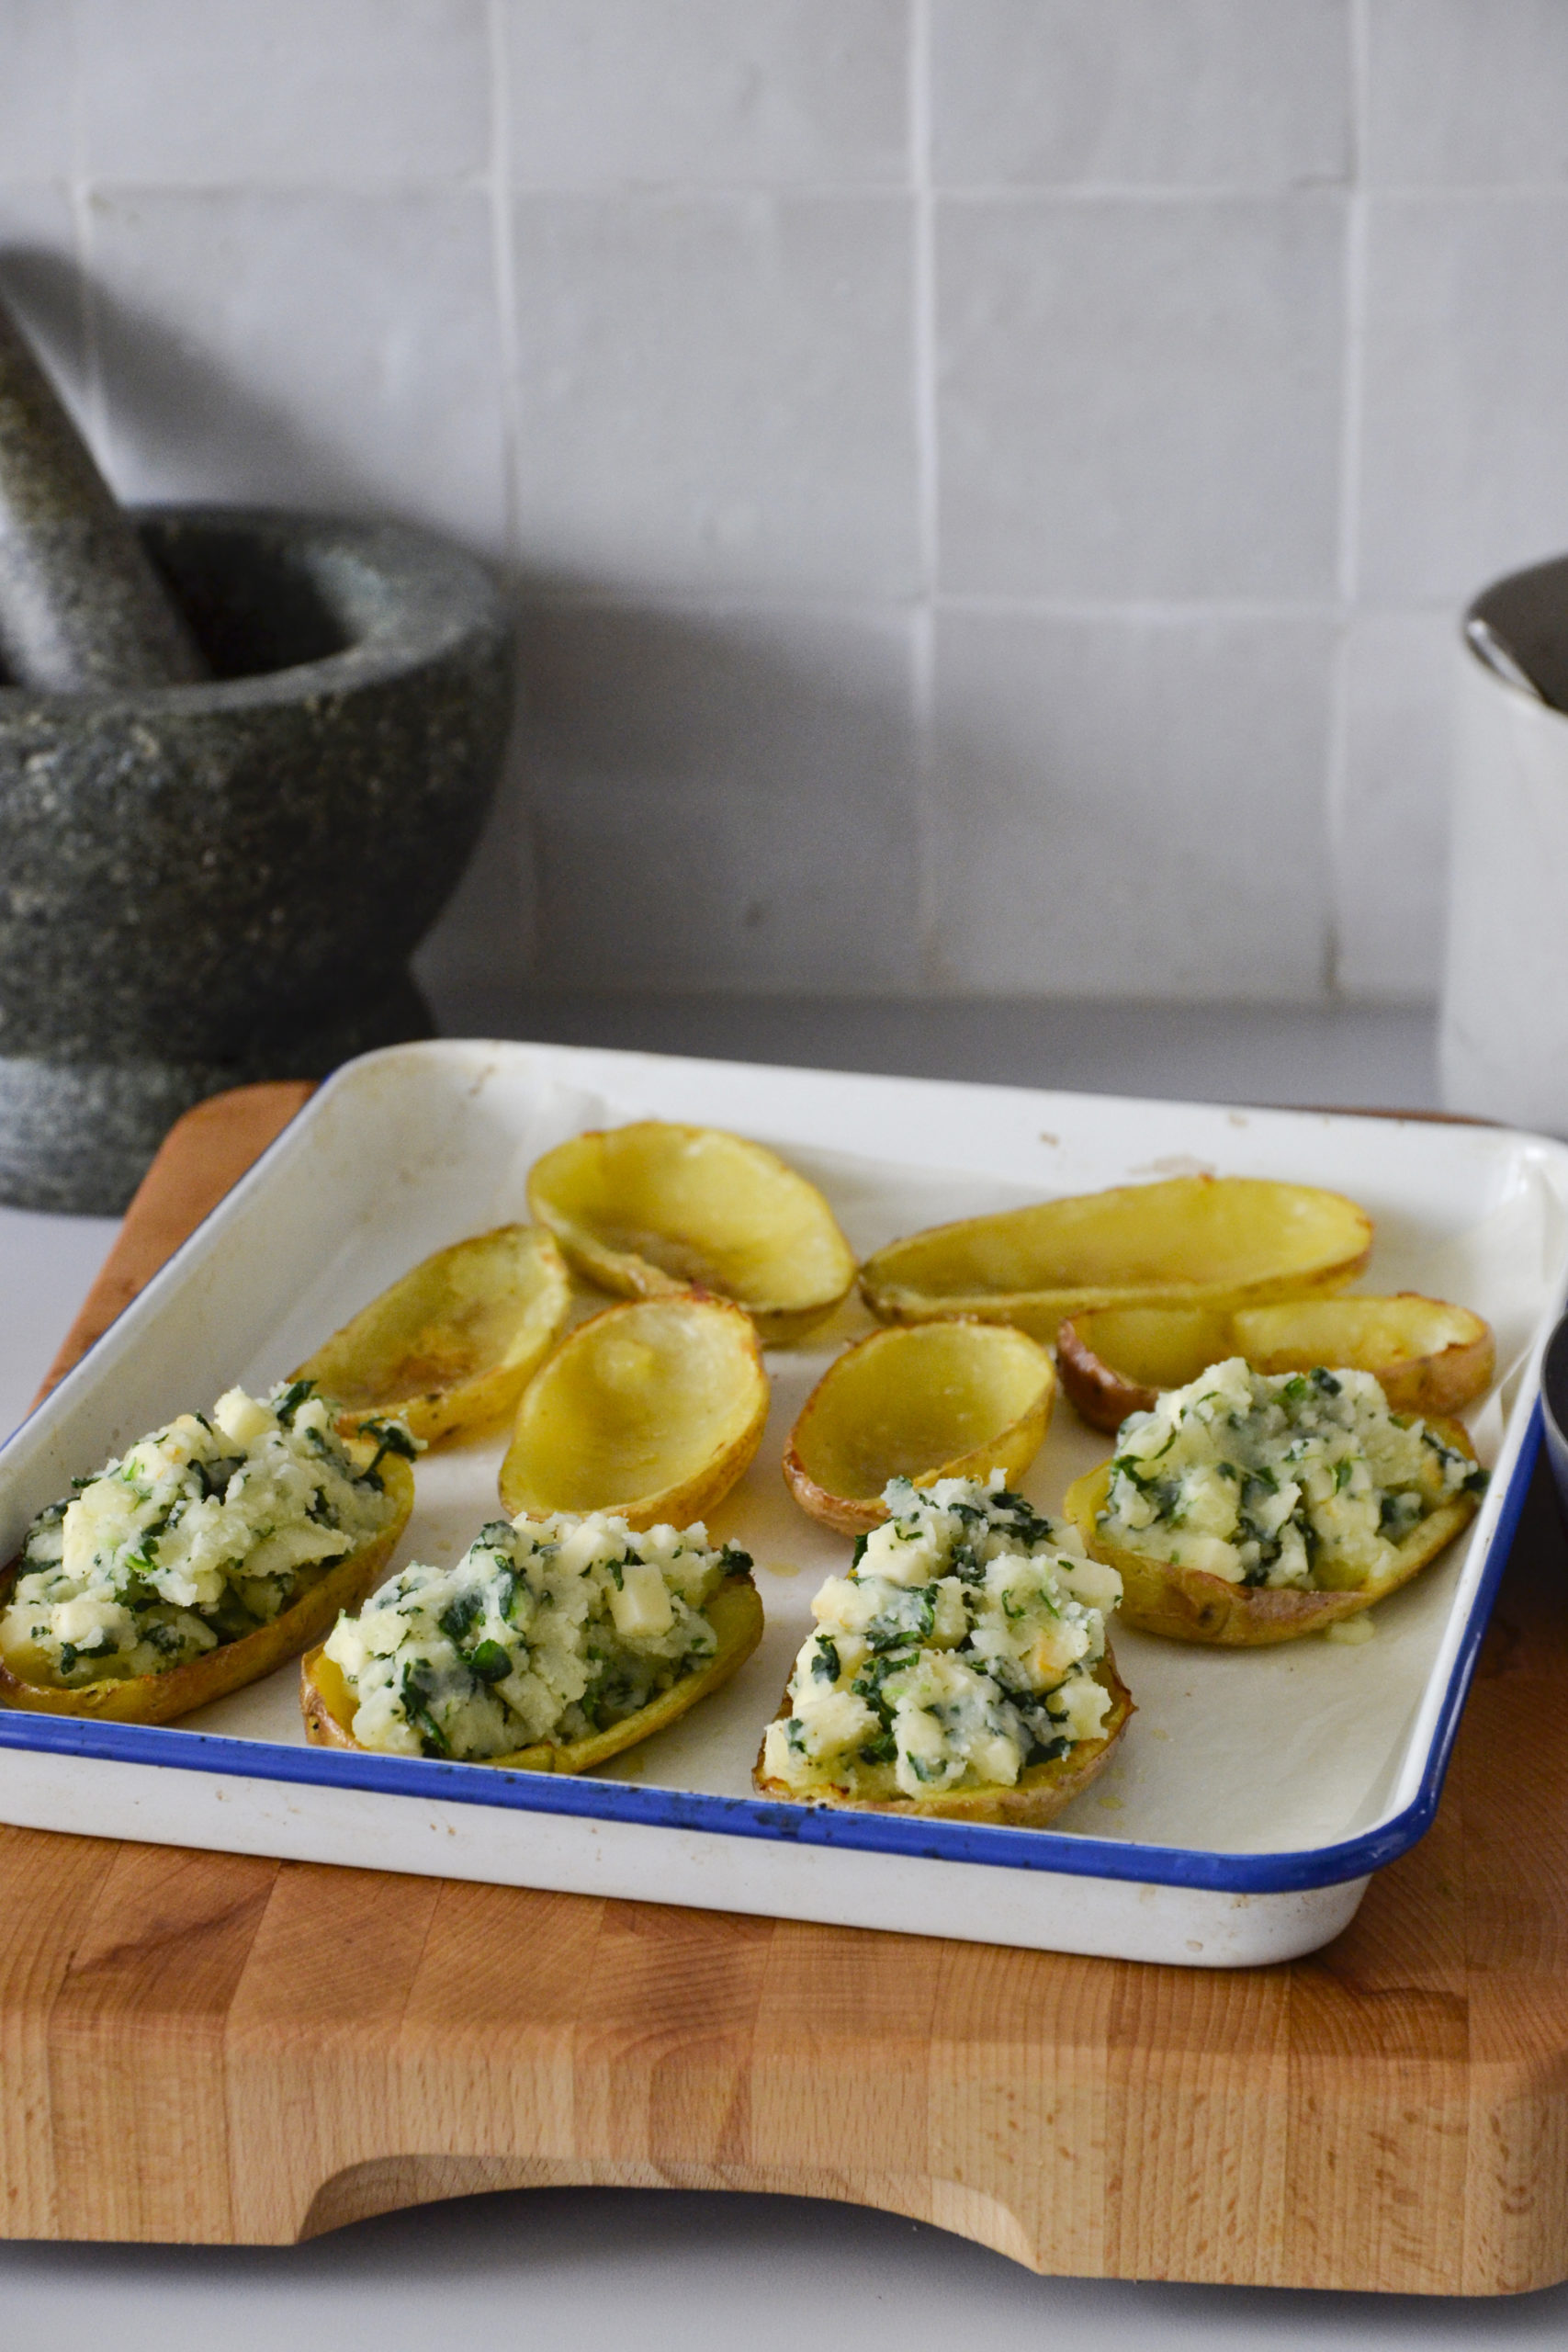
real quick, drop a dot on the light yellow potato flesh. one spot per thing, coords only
(655, 1208)
(652, 1409)
(161, 1697)
(1190, 1605)
(1216, 1241)
(937, 1400)
(735, 1612)
(453, 1343)
(1040, 1793)
(1428, 1357)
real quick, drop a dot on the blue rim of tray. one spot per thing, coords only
(799, 1824)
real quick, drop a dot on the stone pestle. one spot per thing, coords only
(82, 609)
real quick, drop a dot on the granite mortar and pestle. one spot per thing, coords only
(244, 758)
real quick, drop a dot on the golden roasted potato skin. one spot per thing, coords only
(451, 1346)
(576, 1400)
(1040, 1793)
(655, 1208)
(1429, 1357)
(1190, 1605)
(865, 1419)
(735, 1612)
(161, 1697)
(1221, 1241)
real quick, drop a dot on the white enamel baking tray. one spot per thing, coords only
(1254, 1792)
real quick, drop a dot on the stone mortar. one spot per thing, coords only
(205, 885)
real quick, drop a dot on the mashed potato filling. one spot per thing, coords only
(547, 1629)
(198, 1535)
(1303, 1480)
(959, 1649)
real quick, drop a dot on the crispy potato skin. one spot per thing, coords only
(591, 1193)
(1190, 1605)
(889, 1361)
(161, 1697)
(534, 1479)
(735, 1614)
(1133, 1245)
(1430, 1382)
(415, 1352)
(1041, 1792)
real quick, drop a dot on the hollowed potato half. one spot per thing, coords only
(1427, 1356)
(655, 1209)
(161, 1697)
(1039, 1794)
(1191, 1605)
(451, 1346)
(939, 1400)
(652, 1411)
(1219, 1242)
(735, 1612)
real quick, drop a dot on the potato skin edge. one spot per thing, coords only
(1042, 1791)
(627, 1275)
(1012, 1449)
(735, 1611)
(163, 1698)
(1191, 1605)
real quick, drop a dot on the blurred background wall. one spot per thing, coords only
(988, 483)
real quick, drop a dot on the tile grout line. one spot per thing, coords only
(1351, 483)
(923, 637)
(95, 402)
(504, 266)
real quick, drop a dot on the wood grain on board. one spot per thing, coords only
(200, 2047)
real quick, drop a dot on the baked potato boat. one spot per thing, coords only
(551, 1647)
(208, 1554)
(960, 1671)
(1214, 1241)
(936, 1400)
(652, 1411)
(1248, 1509)
(1426, 1355)
(657, 1208)
(450, 1346)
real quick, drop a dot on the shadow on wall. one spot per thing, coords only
(694, 798)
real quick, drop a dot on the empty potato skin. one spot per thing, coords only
(1040, 1793)
(1429, 1358)
(735, 1612)
(1190, 1605)
(538, 1476)
(451, 1346)
(163, 1698)
(1215, 1241)
(648, 1211)
(923, 1362)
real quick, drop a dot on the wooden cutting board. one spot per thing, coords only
(209, 2048)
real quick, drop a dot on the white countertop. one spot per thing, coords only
(693, 2270)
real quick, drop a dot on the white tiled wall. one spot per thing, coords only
(987, 483)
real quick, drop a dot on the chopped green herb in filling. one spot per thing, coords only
(1303, 1480)
(959, 1649)
(198, 1535)
(548, 1629)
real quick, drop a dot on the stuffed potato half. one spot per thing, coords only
(552, 1647)
(1219, 1242)
(1349, 1505)
(959, 1670)
(214, 1631)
